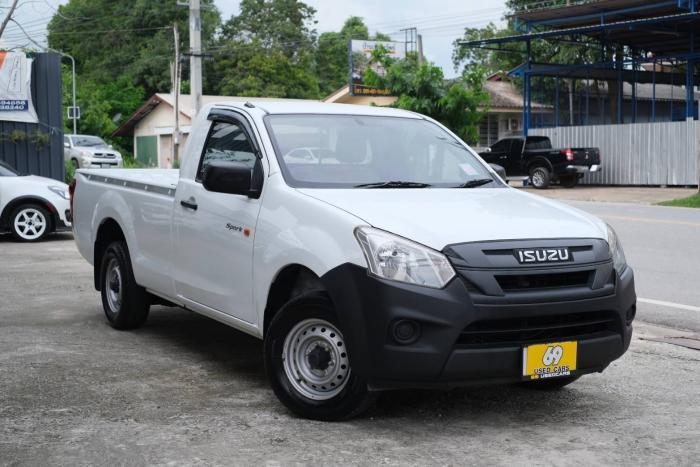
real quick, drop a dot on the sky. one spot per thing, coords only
(439, 22)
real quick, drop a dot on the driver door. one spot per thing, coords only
(215, 231)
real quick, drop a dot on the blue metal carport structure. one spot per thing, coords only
(658, 32)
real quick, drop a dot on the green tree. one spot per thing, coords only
(332, 53)
(111, 38)
(103, 106)
(123, 50)
(459, 104)
(268, 50)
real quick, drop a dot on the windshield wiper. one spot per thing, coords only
(393, 184)
(475, 183)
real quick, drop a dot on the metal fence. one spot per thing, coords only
(38, 148)
(664, 153)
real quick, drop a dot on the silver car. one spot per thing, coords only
(86, 151)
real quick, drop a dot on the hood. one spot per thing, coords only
(439, 217)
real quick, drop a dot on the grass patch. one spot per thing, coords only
(689, 202)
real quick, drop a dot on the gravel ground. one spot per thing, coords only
(185, 390)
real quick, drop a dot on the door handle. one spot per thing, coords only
(189, 204)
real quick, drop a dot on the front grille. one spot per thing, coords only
(521, 282)
(539, 328)
(103, 155)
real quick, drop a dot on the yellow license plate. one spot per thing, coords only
(549, 360)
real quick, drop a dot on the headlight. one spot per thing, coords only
(60, 191)
(616, 252)
(395, 258)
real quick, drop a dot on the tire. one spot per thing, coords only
(76, 164)
(126, 304)
(30, 223)
(569, 181)
(540, 177)
(550, 384)
(304, 340)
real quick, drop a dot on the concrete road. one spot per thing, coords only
(185, 390)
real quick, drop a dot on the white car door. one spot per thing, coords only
(215, 231)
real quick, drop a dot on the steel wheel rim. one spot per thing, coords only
(315, 359)
(537, 178)
(30, 224)
(113, 285)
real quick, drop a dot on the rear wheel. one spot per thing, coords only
(308, 363)
(30, 223)
(540, 177)
(550, 384)
(568, 181)
(125, 303)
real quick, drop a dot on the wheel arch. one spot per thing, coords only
(290, 281)
(108, 231)
(29, 199)
(540, 161)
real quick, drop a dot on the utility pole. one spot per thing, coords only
(196, 55)
(176, 93)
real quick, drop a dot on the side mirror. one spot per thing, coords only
(500, 171)
(487, 150)
(236, 178)
(66, 144)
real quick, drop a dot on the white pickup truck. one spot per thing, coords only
(369, 248)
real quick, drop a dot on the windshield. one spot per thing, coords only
(343, 151)
(89, 141)
(7, 171)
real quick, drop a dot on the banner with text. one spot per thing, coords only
(361, 59)
(15, 88)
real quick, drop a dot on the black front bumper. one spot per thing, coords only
(444, 354)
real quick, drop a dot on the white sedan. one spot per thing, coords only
(32, 207)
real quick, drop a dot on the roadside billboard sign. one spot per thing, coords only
(361, 59)
(15, 88)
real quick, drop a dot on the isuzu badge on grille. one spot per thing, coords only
(543, 255)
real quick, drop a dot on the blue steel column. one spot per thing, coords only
(653, 92)
(556, 101)
(620, 89)
(690, 80)
(526, 86)
(634, 86)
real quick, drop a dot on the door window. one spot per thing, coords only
(226, 142)
(502, 146)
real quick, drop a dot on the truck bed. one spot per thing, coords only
(157, 180)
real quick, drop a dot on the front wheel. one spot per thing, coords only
(308, 363)
(30, 223)
(540, 177)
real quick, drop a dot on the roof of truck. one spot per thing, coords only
(289, 106)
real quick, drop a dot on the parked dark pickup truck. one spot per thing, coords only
(534, 157)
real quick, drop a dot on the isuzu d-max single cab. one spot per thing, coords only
(369, 248)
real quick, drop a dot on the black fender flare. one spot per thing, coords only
(539, 161)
